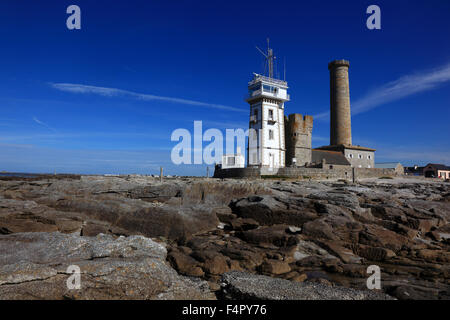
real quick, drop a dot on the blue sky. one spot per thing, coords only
(106, 98)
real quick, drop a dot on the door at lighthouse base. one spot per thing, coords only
(271, 159)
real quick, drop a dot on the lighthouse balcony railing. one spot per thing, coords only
(259, 78)
(260, 93)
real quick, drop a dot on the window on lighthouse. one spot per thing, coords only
(270, 89)
(270, 134)
(270, 114)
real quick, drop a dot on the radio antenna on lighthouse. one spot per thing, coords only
(269, 58)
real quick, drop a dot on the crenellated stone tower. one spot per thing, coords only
(298, 139)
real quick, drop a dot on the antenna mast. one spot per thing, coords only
(269, 57)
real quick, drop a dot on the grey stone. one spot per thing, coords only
(34, 266)
(241, 285)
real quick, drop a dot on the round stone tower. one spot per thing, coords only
(340, 117)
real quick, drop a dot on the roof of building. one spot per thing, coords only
(331, 157)
(414, 169)
(341, 147)
(438, 166)
(261, 78)
(387, 165)
(341, 62)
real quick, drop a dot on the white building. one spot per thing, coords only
(266, 143)
(233, 160)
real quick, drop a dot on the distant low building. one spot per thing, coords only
(414, 171)
(395, 166)
(359, 157)
(435, 170)
(329, 159)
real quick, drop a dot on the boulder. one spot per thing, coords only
(275, 267)
(162, 220)
(29, 216)
(375, 253)
(306, 249)
(338, 249)
(247, 258)
(216, 265)
(333, 227)
(35, 266)
(405, 292)
(299, 278)
(319, 229)
(245, 224)
(224, 214)
(338, 198)
(269, 210)
(273, 235)
(377, 236)
(185, 264)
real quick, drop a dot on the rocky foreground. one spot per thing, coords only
(137, 238)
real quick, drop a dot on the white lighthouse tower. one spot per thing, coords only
(266, 96)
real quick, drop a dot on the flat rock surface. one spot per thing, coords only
(309, 232)
(35, 265)
(240, 285)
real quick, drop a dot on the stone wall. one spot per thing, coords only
(237, 172)
(316, 173)
(374, 173)
(336, 173)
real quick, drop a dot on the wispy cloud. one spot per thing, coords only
(227, 124)
(323, 115)
(400, 88)
(14, 145)
(114, 92)
(43, 124)
(81, 135)
(319, 138)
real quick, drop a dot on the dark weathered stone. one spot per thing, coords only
(269, 210)
(275, 235)
(239, 285)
